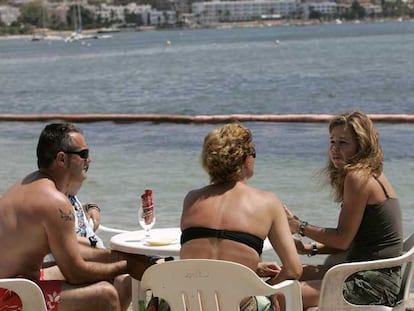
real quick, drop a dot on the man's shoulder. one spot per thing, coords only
(42, 195)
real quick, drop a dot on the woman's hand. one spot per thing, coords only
(267, 269)
(302, 248)
(293, 220)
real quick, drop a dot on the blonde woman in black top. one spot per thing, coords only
(228, 219)
(370, 223)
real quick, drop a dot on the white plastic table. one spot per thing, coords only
(163, 242)
(133, 242)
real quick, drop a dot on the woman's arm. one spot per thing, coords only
(356, 195)
(282, 241)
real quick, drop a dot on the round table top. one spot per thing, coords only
(162, 242)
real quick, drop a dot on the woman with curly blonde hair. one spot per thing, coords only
(370, 222)
(229, 220)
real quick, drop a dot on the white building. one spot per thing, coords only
(233, 11)
(148, 15)
(373, 9)
(8, 14)
(159, 18)
(117, 13)
(325, 8)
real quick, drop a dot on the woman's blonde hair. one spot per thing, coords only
(224, 151)
(368, 159)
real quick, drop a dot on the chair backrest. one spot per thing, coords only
(331, 297)
(205, 284)
(29, 293)
(408, 270)
(408, 243)
(105, 233)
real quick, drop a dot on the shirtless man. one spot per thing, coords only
(36, 218)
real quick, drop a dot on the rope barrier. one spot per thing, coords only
(175, 118)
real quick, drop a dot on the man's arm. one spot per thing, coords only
(60, 229)
(93, 212)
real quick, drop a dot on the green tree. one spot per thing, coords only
(357, 11)
(133, 18)
(33, 13)
(396, 8)
(87, 17)
(315, 14)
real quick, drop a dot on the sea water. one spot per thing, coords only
(315, 69)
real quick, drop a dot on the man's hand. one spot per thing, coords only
(93, 212)
(137, 264)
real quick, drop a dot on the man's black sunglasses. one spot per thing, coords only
(84, 153)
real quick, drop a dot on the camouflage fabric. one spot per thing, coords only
(374, 287)
(257, 303)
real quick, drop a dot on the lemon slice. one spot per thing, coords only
(159, 242)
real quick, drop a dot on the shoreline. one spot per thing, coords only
(259, 23)
(196, 119)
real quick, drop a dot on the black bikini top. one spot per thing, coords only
(242, 237)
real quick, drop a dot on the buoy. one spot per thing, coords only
(168, 42)
(277, 42)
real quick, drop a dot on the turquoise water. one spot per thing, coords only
(316, 69)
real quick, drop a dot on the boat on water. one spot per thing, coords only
(77, 34)
(108, 30)
(40, 36)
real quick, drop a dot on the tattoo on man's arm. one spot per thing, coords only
(67, 217)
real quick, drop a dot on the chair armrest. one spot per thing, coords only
(332, 283)
(28, 291)
(105, 229)
(291, 289)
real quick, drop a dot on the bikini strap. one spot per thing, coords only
(382, 186)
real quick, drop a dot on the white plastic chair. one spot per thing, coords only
(29, 292)
(104, 229)
(205, 284)
(105, 233)
(331, 298)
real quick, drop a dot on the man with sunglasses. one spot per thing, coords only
(37, 218)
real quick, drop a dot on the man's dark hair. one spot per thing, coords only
(55, 137)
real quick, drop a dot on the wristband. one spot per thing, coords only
(93, 240)
(302, 226)
(314, 249)
(92, 205)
